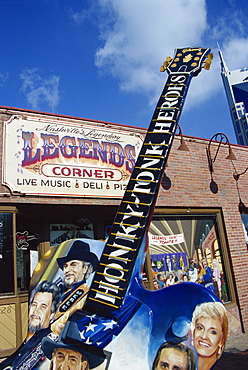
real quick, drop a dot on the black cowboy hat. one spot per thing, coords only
(70, 339)
(79, 251)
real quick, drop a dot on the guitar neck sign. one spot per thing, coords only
(112, 277)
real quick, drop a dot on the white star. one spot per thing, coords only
(82, 334)
(90, 327)
(109, 325)
(88, 341)
(91, 317)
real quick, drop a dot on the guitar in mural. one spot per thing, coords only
(99, 307)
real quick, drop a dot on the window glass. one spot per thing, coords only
(244, 122)
(241, 140)
(188, 248)
(238, 127)
(6, 253)
(27, 241)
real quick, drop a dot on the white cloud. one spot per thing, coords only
(79, 17)
(208, 84)
(138, 35)
(230, 23)
(85, 13)
(236, 53)
(40, 90)
(141, 34)
(3, 78)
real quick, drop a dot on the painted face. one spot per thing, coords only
(205, 263)
(74, 272)
(39, 315)
(172, 359)
(155, 285)
(208, 336)
(67, 359)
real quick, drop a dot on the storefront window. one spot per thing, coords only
(27, 241)
(6, 254)
(188, 247)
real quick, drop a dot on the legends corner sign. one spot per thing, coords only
(56, 157)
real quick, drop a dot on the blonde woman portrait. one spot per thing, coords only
(210, 331)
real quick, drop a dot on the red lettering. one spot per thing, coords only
(76, 172)
(98, 173)
(55, 171)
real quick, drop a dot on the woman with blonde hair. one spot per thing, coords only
(210, 332)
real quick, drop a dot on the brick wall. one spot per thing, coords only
(188, 183)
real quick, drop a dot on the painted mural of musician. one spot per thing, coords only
(174, 356)
(77, 266)
(68, 352)
(44, 301)
(206, 276)
(210, 332)
(105, 325)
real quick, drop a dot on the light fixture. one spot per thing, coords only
(182, 145)
(221, 138)
(237, 175)
(242, 208)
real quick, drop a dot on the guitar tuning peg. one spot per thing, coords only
(208, 61)
(207, 65)
(165, 64)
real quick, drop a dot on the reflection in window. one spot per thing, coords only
(27, 241)
(187, 248)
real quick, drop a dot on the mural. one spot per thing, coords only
(88, 308)
(143, 333)
(195, 255)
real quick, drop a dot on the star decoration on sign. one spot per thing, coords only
(109, 325)
(96, 330)
(90, 327)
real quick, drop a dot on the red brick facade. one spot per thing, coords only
(190, 180)
(188, 184)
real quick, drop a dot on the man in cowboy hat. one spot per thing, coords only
(44, 301)
(68, 352)
(77, 266)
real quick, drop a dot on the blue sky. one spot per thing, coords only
(100, 59)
